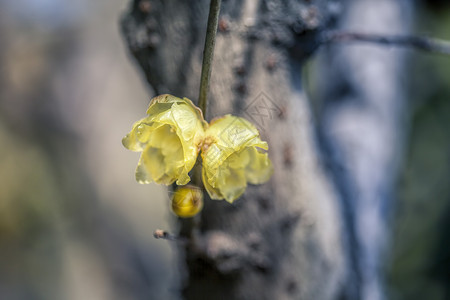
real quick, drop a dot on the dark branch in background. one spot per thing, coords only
(208, 53)
(420, 43)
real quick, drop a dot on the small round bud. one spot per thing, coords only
(187, 201)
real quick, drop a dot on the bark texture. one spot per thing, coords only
(286, 239)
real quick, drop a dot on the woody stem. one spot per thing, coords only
(208, 53)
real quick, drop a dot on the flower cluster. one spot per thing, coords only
(174, 132)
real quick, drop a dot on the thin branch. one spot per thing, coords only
(164, 235)
(208, 53)
(420, 43)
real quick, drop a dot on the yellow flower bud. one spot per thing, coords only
(169, 138)
(187, 201)
(232, 156)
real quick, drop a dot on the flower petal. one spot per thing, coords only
(232, 156)
(138, 136)
(166, 99)
(170, 138)
(232, 183)
(213, 192)
(162, 160)
(213, 158)
(239, 159)
(235, 133)
(259, 168)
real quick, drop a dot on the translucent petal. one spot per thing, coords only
(170, 144)
(183, 116)
(166, 99)
(162, 161)
(213, 158)
(259, 168)
(143, 174)
(151, 166)
(235, 133)
(138, 136)
(239, 159)
(220, 179)
(164, 137)
(190, 130)
(213, 192)
(154, 111)
(231, 158)
(170, 138)
(233, 184)
(183, 177)
(174, 162)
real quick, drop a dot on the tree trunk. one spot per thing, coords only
(288, 238)
(362, 129)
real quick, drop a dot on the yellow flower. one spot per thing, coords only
(169, 138)
(187, 201)
(232, 156)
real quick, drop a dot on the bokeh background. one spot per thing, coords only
(74, 224)
(419, 266)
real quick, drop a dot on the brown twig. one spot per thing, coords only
(417, 42)
(164, 235)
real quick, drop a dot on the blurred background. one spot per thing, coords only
(419, 264)
(74, 224)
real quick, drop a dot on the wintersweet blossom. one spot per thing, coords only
(232, 156)
(169, 138)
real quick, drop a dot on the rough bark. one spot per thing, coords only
(281, 240)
